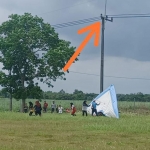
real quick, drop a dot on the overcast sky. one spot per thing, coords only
(127, 42)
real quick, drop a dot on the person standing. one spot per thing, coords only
(31, 108)
(53, 107)
(94, 104)
(45, 106)
(60, 109)
(84, 108)
(37, 108)
(73, 109)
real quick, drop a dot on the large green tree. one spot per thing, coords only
(31, 50)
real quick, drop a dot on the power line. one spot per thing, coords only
(110, 76)
(77, 22)
(129, 14)
(93, 19)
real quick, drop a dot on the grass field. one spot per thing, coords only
(131, 131)
(18, 131)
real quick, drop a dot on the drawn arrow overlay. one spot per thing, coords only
(94, 29)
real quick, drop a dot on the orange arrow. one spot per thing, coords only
(94, 29)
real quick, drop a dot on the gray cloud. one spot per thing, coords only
(126, 41)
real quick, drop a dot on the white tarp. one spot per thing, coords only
(108, 103)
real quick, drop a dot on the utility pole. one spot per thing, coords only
(102, 51)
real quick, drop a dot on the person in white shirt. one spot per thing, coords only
(60, 109)
(53, 107)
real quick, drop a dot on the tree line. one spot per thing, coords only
(80, 95)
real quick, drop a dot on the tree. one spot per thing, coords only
(33, 51)
(62, 91)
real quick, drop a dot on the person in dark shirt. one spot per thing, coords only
(84, 108)
(31, 108)
(37, 108)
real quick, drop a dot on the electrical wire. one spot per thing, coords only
(129, 14)
(77, 22)
(110, 76)
(88, 20)
(140, 16)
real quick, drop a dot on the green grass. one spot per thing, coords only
(18, 131)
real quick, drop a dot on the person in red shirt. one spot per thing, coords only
(73, 109)
(37, 108)
(45, 106)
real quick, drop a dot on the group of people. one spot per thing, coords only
(93, 107)
(37, 108)
(58, 108)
